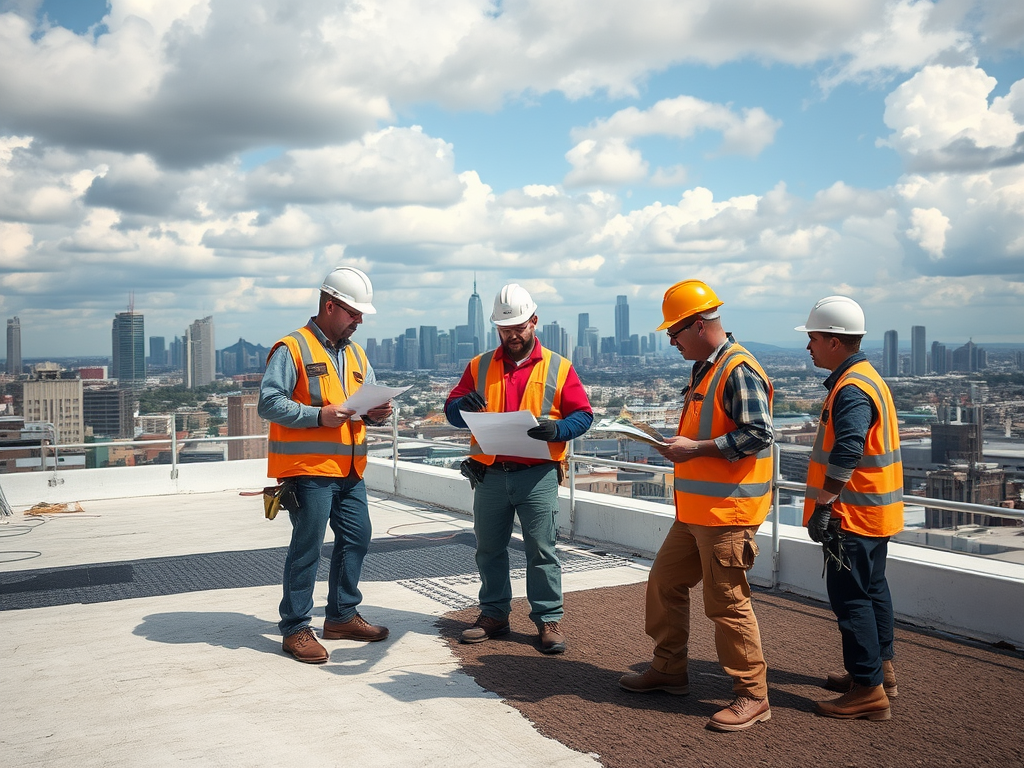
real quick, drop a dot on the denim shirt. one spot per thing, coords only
(279, 380)
(852, 415)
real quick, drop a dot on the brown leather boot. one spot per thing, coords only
(844, 681)
(741, 714)
(867, 701)
(356, 628)
(552, 638)
(653, 680)
(485, 628)
(303, 646)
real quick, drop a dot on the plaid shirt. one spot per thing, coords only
(746, 403)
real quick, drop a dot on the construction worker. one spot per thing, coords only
(723, 472)
(320, 447)
(519, 375)
(854, 504)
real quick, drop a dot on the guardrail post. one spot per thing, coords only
(174, 452)
(776, 476)
(572, 490)
(394, 449)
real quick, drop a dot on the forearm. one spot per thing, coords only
(748, 405)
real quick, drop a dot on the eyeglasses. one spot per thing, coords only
(672, 336)
(519, 330)
(348, 310)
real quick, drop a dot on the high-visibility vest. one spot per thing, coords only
(542, 395)
(324, 451)
(871, 503)
(713, 491)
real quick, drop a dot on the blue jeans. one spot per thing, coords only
(863, 606)
(342, 502)
(532, 494)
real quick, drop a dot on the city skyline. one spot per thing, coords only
(215, 163)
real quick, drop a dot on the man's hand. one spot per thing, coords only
(379, 415)
(335, 415)
(546, 430)
(817, 525)
(679, 449)
(472, 402)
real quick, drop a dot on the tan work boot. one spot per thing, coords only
(842, 683)
(485, 628)
(653, 680)
(303, 646)
(741, 714)
(867, 701)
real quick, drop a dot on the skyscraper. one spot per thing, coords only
(157, 351)
(244, 420)
(581, 329)
(14, 346)
(476, 320)
(940, 363)
(428, 347)
(918, 351)
(200, 354)
(891, 354)
(128, 336)
(621, 320)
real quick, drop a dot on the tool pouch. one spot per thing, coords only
(278, 497)
(473, 471)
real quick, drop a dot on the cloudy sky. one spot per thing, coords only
(219, 157)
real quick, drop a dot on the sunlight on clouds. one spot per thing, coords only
(799, 244)
(15, 242)
(928, 229)
(609, 161)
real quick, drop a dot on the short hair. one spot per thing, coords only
(324, 298)
(849, 341)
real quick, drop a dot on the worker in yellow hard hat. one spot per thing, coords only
(723, 476)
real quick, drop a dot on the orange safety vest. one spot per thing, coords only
(324, 451)
(871, 503)
(542, 395)
(713, 491)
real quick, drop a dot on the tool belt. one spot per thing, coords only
(276, 498)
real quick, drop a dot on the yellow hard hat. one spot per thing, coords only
(686, 298)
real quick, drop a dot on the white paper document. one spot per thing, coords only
(627, 430)
(504, 434)
(369, 396)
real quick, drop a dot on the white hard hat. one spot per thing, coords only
(351, 286)
(835, 314)
(512, 306)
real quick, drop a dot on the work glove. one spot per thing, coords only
(546, 430)
(817, 525)
(472, 402)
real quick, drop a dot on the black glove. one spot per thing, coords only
(546, 430)
(817, 525)
(472, 402)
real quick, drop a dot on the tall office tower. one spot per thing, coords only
(244, 420)
(939, 364)
(591, 339)
(56, 401)
(176, 354)
(157, 351)
(410, 351)
(621, 320)
(14, 346)
(918, 351)
(891, 354)
(581, 328)
(200, 354)
(464, 345)
(428, 347)
(476, 320)
(652, 342)
(128, 337)
(109, 411)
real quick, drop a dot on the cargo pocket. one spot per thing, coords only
(729, 555)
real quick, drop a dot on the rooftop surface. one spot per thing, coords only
(142, 632)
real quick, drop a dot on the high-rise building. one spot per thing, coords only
(621, 320)
(14, 346)
(200, 354)
(128, 336)
(244, 420)
(891, 354)
(940, 363)
(428, 347)
(53, 400)
(157, 352)
(176, 353)
(109, 411)
(581, 328)
(476, 320)
(918, 351)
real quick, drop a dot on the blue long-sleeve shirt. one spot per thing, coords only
(279, 380)
(852, 415)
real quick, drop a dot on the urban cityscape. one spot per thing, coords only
(961, 409)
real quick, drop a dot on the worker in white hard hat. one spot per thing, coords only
(853, 505)
(519, 375)
(722, 457)
(318, 447)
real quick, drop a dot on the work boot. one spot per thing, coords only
(653, 680)
(842, 683)
(303, 646)
(741, 714)
(552, 639)
(867, 701)
(356, 628)
(485, 628)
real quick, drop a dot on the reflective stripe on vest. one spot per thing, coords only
(489, 382)
(713, 491)
(871, 502)
(323, 451)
